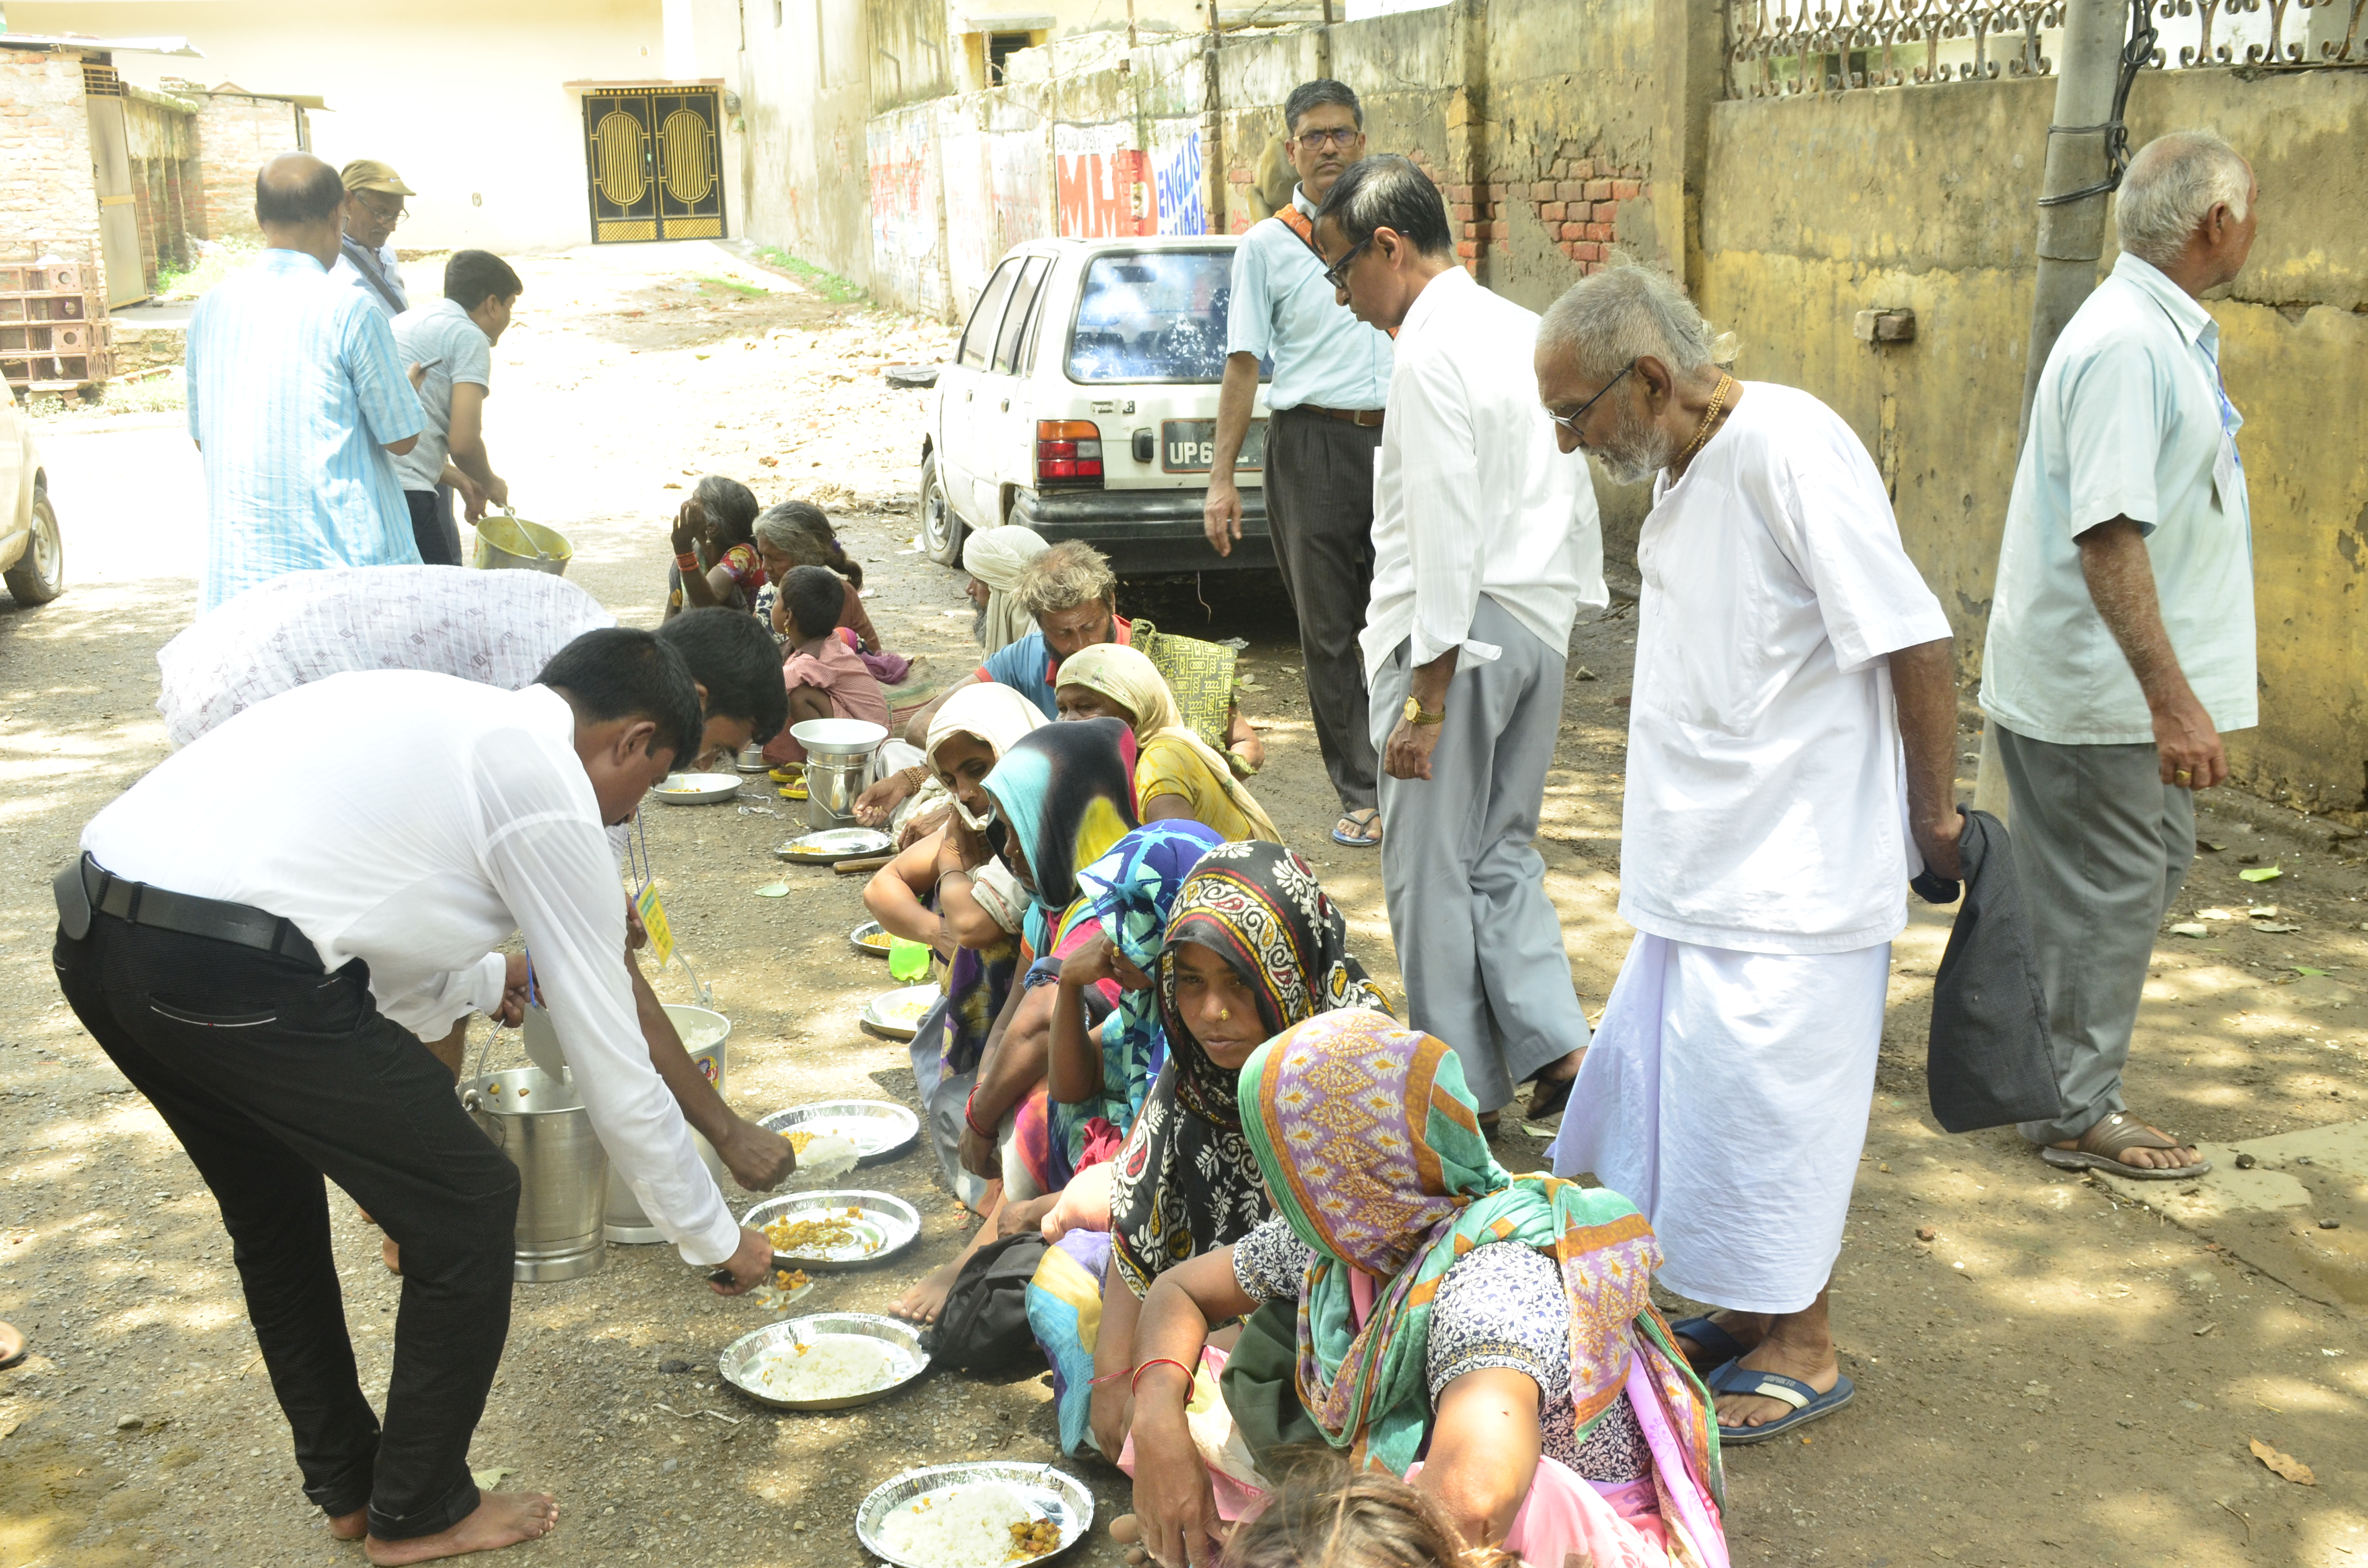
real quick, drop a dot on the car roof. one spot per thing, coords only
(1125, 244)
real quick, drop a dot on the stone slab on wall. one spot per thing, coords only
(48, 203)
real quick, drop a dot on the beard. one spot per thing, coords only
(1636, 451)
(978, 625)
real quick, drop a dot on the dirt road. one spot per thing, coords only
(2056, 1376)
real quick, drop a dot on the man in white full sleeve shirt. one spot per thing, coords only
(1485, 543)
(264, 969)
(1789, 663)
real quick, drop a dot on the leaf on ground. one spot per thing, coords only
(2305, 969)
(2292, 1468)
(2274, 927)
(491, 1479)
(2207, 844)
(773, 890)
(2215, 915)
(2191, 929)
(2261, 874)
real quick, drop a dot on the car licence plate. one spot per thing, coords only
(1190, 446)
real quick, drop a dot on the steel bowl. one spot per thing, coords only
(737, 1363)
(1054, 1493)
(870, 938)
(887, 1223)
(885, 1014)
(697, 788)
(879, 1130)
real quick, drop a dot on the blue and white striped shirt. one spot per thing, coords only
(294, 390)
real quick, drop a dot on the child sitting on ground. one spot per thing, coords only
(796, 534)
(715, 556)
(827, 679)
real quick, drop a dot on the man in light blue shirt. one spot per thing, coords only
(1331, 383)
(452, 340)
(297, 402)
(2121, 640)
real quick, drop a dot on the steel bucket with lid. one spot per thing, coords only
(706, 1040)
(510, 542)
(838, 766)
(539, 1122)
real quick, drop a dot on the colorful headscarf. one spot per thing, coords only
(1068, 791)
(1200, 673)
(1372, 1148)
(1187, 1183)
(1129, 679)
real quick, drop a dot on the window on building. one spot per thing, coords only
(1001, 46)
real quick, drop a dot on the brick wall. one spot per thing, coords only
(48, 205)
(237, 136)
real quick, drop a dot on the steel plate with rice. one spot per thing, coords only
(831, 845)
(981, 1515)
(879, 1130)
(896, 1015)
(835, 1229)
(870, 938)
(847, 1360)
(697, 788)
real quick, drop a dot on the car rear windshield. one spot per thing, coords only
(1152, 316)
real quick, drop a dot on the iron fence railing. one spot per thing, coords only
(1777, 48)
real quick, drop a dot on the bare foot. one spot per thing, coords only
(349, 1526)
(502, 1518)
(1083, 1205)
(391, 1254)
(926, 1299)
(1797, 1345)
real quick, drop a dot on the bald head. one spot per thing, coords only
(297, 197)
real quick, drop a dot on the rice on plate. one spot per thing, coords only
(980, 1526)
(828, 1366)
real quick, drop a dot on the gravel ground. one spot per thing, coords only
(2054, 1376)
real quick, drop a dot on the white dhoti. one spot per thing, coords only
(1726, 1096)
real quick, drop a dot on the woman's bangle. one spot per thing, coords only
(687, 559)
(971, 1121)
(1158, 1361)
(916, 776)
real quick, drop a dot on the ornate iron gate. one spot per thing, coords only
(653, 164)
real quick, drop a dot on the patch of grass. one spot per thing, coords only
(830, 285)
(752, 290)
(212, 266)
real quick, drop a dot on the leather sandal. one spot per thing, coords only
(12, 1344)
(2100, 1147)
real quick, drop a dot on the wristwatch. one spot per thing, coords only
(1417, 714)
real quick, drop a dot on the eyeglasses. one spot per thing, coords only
(380, 213)
(1336, 274)
(1317, 141)
(1570, 421)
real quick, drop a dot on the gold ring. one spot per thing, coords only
(2183, 773)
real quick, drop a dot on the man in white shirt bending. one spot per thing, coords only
(1486, 543)
(2121, 643)
(1786, 648)
(263, 966)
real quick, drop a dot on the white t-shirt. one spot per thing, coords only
(1766, 808)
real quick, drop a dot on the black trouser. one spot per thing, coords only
(272, 1075)
(432, 527)
(1320, 513)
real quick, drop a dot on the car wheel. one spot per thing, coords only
(40, 574)
(943, 532)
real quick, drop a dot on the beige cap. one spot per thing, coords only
(368, 173)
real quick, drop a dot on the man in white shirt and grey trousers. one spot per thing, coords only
(264, 970)
(1485, 543)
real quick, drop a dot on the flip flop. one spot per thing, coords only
(2100, 1149)
(1807, 1403)
(12, 1344)
(1363, 817)
(1548, 1097)
(1716, 1345)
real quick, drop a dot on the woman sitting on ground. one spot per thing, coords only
(795, 534)
(993, 558)
(715, 556)
(825, 678)
(1253, 946)
(1178, 774)
(1410, 1302)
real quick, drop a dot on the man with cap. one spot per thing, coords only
(374, 193)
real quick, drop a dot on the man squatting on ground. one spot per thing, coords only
(1331, 381)
(264, 975)
(2121, 643)
(1486, 543)
(1785, 648)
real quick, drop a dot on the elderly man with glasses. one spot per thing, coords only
(374, 193)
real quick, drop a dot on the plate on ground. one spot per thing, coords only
(834, 844)
(877, 1226)
(745, 1361)
(869, 938)
(897, 1014)
(1051, 1494)
(697, 788)
(879, 1130)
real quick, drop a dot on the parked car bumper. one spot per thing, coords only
(1145, 531)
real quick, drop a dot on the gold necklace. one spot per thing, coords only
(1710, 417)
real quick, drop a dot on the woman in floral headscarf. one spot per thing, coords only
(1498, 1325)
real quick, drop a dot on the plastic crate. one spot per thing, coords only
(44, 277)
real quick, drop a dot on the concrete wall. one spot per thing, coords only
(238, 135)
(1816, 207)
(806, 87)
(48, 203)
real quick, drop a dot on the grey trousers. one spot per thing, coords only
(1319, 512)
(2102, 845)
(1478, 941)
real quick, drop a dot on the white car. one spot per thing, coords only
(33, 556)
(1082, 402)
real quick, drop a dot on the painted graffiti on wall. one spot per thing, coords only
(1107, 186)
(1177, 177)
(905, 183)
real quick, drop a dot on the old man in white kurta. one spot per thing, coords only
(1785, 647)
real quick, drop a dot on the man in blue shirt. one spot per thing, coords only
(374, 198)
(297, 401)
(452, 340)
(1331, 380)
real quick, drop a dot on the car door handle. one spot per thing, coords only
(1006, 405)
(967, 396)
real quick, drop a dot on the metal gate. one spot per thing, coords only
(654, 165)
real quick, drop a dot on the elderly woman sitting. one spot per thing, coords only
(994, 559)
(1411, 1299)
(1177, 774)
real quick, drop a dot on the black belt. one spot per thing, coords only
(1363, 418)
(141, 904)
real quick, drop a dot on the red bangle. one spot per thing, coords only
(1158, 1361)
(971, 1120)
(687, 561)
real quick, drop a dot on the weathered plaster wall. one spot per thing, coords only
(806, 91)
(1816, 207)
(48, 204)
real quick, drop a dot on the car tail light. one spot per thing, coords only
(1069, 452)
